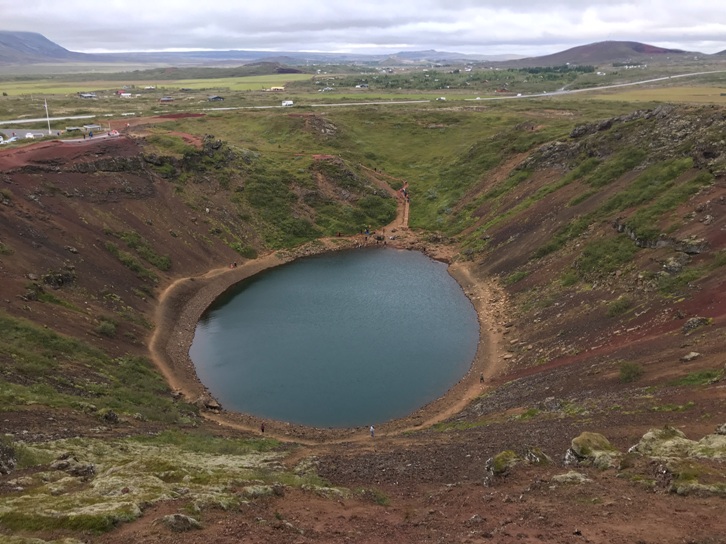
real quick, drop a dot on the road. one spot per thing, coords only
(600, 88)
(40, 133)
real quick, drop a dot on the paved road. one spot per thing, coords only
(600, 88)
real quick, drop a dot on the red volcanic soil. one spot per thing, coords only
(551, 373)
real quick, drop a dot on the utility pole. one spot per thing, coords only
(47, 116)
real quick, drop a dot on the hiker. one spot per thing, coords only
(373, 431)
(481, 378)
(262, 428)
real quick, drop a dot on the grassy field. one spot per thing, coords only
(56, 86)
(696, 94)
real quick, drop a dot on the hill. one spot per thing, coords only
(31, 47)
(589, 237)
(600, 53)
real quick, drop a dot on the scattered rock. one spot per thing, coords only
(665, 442)
(571, 477)
(109, 416)
(208, 403)
(70, 465)
(695, 323)
(474, 520)
(535, 456)
(7, 458)
(690, 357)
(256, 491)
(181, 523)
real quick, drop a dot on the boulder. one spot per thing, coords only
(665, 442)
(695, 323)
(501, 463)
(206, 402)
(688, 357)
(7, 458)
(180, 523)
(69, 464)
(592, 449)
(535, 456)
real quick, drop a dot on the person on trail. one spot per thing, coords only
(262, 428)
(481, 378)
(373, 431)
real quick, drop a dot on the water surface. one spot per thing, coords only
(342, 339)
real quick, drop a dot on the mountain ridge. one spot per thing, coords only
(32, 47)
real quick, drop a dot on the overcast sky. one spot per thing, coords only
(523, 27)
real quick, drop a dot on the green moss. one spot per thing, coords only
(18, 521)
(589, 443)
(503, 461)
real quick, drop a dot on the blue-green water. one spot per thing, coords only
(338, 340)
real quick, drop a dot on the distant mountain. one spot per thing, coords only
(431, 55)
(31, 47)
(603, 53)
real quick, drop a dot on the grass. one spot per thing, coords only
(698, 94)
(60, 371)
(56, 87)
(619, 306)
(375, 495)
(703, 377)
(130, 262)
(198, 442)
(673, 407)
(610, 170)
(605, 255)
(144, 249)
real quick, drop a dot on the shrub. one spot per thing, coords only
(514, 277)
(630, 372)
(619, 306)
(106, 328)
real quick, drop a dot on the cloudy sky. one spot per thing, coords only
(524, 27)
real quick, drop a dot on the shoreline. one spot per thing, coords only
(183, 302)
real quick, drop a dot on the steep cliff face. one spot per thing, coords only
(611, 243)
(118, 219)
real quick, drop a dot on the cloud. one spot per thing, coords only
(473, 26)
